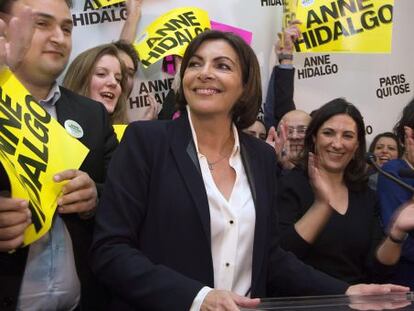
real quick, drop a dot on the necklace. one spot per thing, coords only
(211, 164)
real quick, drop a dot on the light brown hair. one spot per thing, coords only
(79, 74)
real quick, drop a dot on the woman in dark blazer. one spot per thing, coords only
(186, 220)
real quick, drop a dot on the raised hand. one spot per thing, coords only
(285, 43)
(134, 12)
(280, 143)
(154, 109)
(16, 37)
(134, 8)
(321, 186)
(409, 145)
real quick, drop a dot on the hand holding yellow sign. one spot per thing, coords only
(33, 148)
(170, 34)
(351, 26)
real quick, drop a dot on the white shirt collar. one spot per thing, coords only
(53, 96)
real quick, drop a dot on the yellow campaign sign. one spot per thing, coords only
(97, 4)
(170, 34)
(351, 26)
(119, 130)
(33, 148)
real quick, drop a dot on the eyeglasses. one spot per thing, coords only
(300, 130)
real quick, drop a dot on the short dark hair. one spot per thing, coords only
(129, 49)
(245, 110)
(5, 5)
(355, 175)
(388, 135)
(406, 119)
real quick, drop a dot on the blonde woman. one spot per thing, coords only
(100, 74)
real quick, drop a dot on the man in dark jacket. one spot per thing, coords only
(53, 273)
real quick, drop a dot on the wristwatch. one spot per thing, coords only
(283, 56)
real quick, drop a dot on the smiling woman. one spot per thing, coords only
(386, 147)
(186, 221)
(105, 84)
(230, 73)
(328, 215)
(99, 73)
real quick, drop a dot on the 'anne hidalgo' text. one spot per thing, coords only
(348, 21)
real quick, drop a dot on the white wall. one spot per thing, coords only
(357, 77)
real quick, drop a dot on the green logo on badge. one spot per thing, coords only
(73, 128)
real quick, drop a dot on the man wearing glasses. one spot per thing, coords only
(295, 123)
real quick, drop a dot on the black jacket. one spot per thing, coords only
(152, 242)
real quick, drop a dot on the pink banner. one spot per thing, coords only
(244, 34)
(168, 63)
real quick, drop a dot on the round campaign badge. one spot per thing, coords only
(73, 128)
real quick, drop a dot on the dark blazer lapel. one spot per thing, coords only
(64, 109)
(254, 172)
(185, 154)
(67, 109)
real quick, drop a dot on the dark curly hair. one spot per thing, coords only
(245, 110)
(388, 135)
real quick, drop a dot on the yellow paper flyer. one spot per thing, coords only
(34, 147)
(103, 3)
(119, 130)
(170, 34)
(351, 26)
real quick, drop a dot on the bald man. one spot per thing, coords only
(295, 122)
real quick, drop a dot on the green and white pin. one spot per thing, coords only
(73, 128)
